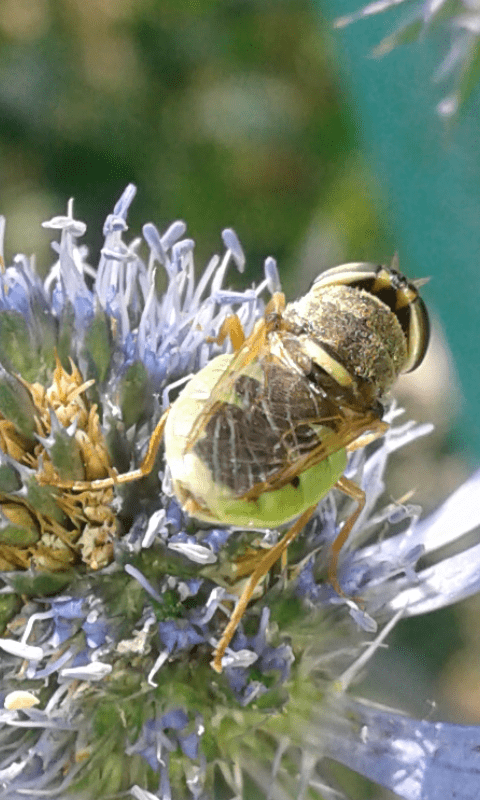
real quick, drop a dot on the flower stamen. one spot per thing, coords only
(54, 528)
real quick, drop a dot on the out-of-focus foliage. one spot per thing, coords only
(223, 113)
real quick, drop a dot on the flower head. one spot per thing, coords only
(113, 599)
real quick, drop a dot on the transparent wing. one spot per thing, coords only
(252, 349)
(350, 427)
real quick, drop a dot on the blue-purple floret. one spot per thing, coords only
(179, 635)
(270, 661)
(159, 738)
(166, 333)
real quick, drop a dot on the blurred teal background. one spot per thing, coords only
(429, 169)
(258, 115)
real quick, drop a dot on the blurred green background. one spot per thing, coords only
(260, 116)
(223, 113)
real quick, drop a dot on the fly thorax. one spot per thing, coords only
(352, 335)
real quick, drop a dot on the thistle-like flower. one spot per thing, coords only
(458, 23)
(113, 599)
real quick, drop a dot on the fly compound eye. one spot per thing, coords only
(418, 333)
(360, 274)
(401, 295)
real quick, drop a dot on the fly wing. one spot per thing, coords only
(349, 426)
(223, 391)
(266, 421)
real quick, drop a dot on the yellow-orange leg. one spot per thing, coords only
(276, 304)
(352, 490)
(262, 568)
(378, 429)
(232, 328)
(144, 469)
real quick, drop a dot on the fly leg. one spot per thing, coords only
(134, 475)
(352, 490)
(378, 428)
(232, 328)
(261, 569)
